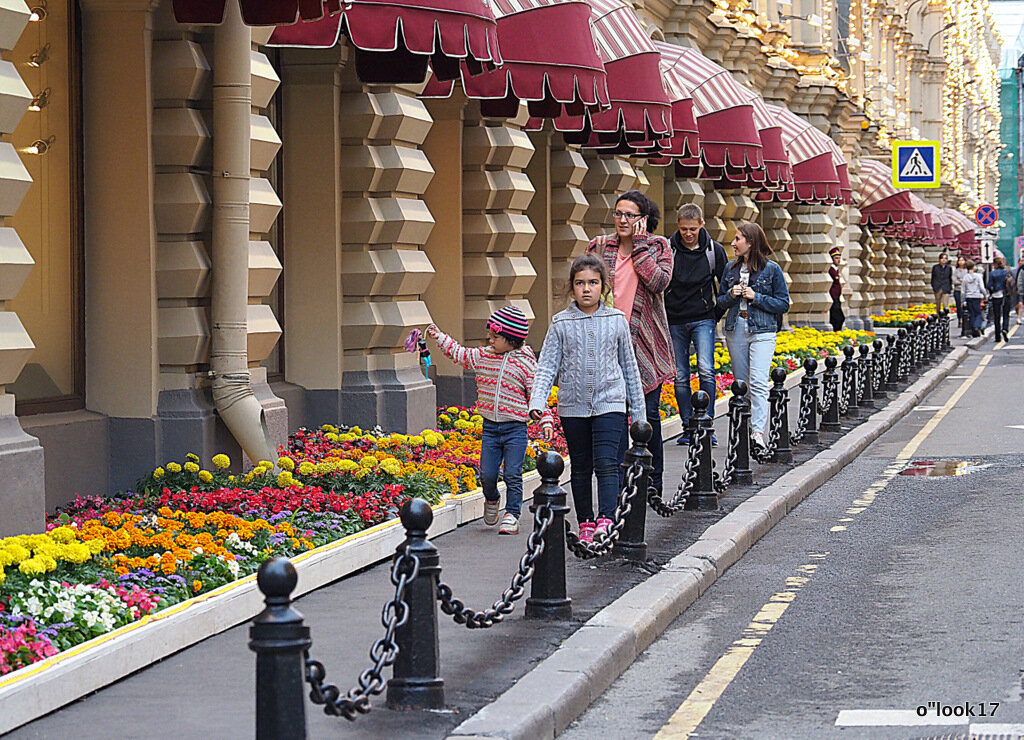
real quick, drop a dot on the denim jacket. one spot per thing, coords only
(771, 298)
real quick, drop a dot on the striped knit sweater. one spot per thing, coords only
(648, 323)
(592, 357)
(503, 381)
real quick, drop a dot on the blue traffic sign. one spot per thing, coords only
(1019, 241)
(986, 215)
(915, 164)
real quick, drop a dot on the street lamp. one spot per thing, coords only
(928, 46)
(911, 6)
(812, 19)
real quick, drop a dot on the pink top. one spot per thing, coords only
(625, 283)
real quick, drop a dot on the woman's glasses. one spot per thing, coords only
(627, 217)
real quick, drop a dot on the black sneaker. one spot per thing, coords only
(683, 440)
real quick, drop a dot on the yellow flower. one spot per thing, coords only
(286, 463)
(464, 415)
(197, 586)
(348, 465)
(266, 464)
(205, 476)
(332, 437)
(416, 441)
(191, 467)
(173, 467)
(62, 535)
(391, 467)
(284, 479)
(356, 431)
(33, 566)
(361, 473)
(445, 418)
(452, 409)
(222, 461)
(306, 468)
(192, 456)
(158, 474)
(368, 462)
(476, 418)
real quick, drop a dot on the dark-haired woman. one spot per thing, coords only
(755, 295)
(640, 267)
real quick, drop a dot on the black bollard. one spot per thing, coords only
(809, 387)
(878, 369)
(892, 378)
(849, 369)
(783, 450)
(703, 496)
(739, 406)
(416, 681)
(280, 640)
(903, 349)
(931, 346)
(830, 415)
(945, 328)
(547, 598)
(631, 544)
(866, 387)
(918, 344)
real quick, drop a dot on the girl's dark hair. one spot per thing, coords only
(647, 207)
(589, 262)
(759, 252)
(961, 257)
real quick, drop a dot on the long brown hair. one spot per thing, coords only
(589, 262)
(760, 251)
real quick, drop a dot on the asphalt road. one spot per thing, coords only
(879, 594)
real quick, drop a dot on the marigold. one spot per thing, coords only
(286, 463)
(191, 467)
(173, 467)
(197, 586)
(158, 474)
(221, 461)
(205, 476)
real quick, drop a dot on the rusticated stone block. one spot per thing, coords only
(478, 190)
(262, 331)
(15, 347)
(15, 263)
(14, 97)
(264, 79)
(397, 318)
(13, 19)
(183, 335)
(568, 241)
(361, 221)
(361, 325)
(512, 190)
(404, 221)
(361, 273)
(568, 204)
(264, 205)
(404, 170)
(403, 118)
(362, 115)
(360, 169)
(264, 269)
(181, 203)
(568, 167)
(405, 272)
(180, 70)
(180, 137)
(182, 269)
(264, 142)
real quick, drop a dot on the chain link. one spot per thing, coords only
(383, 652)
(828, 392)
(808, 400)
(462, 614)
(764, 455)
(732, 452)
(603, 543)
(686, 482)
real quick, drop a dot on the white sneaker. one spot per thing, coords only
(509, 525)
(758, 439)
(491, 512)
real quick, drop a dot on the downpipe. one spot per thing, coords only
(233, 397)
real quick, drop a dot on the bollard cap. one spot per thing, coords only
(877, 344)
(277, 578)
(416, 515)
(779, 375)
(831, 362)
(930, 318)
(890, 338)
(848, 351)
(902, 332)
(550, 464)
(864, 349)
(739, 388)
(810, 365)
(700, 401)
(640, 431)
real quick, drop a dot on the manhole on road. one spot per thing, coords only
(941, 468)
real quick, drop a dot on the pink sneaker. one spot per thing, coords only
(604, 524)
(586, 531)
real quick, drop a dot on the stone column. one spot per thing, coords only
(904, 292)
(776, 221)
(22, 486)
(810, 230)
(715, 209)
(920, 271)
(739, 207)
(384, 223)
(122, 366)
(879, 274)
(605, 178)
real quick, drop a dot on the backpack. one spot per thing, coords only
(1010, 283)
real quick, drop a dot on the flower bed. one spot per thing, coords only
(897, 317)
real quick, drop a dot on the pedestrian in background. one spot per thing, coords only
(1012, 300)
(997, 290)
(755, 295)
(504, 378)
(942, 281)
(589, 349)
(958, 279)
(974, 296)
(836, 317)
(639, 265)
(1020, 290)
(698, 262)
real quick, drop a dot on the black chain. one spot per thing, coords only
(808, 401)
(686, 482)
(764, 454)
(828, 392)
(383, 652)
(844, 395)
(462, 614)
(721, 482)
(603, 542)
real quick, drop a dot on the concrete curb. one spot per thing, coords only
(544, 701)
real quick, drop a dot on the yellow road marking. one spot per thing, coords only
(688, 717)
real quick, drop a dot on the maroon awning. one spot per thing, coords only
(394, 41)
(254, 12)
(777, 173)
(881, 204)
(640, 109)
(549, 60)
(815, 179)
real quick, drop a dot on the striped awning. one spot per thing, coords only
(812, 156)
(640, 109)
(843, 170)
(394, 41)
(254, 12)
(550, 61)
(881, 204)
(961, 223)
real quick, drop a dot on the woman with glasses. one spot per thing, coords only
(640, 267)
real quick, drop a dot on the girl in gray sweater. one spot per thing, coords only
(589, 349)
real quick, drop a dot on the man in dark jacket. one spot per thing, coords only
(942, 281)
(697, 266)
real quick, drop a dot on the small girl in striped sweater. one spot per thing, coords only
(504, 377)
(590, 350)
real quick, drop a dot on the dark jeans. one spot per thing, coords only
(1000, 319)
(656, 447)
(958, 302)
(593, 443)
(701, 334)
(836, 317)
(974, 311)
(503, 441)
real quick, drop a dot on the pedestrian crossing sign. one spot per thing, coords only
(915, 164)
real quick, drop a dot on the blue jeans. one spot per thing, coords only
(974, 312)
(593, 443)
(702, 335)
(503, 441)
(751, 356)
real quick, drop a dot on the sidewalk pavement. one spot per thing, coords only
(518, 679)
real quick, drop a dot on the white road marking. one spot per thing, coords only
(891, 718)
(1016, 426)
(928, 408)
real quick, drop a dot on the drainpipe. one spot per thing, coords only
(229, 360)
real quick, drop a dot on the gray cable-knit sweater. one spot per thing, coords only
(592, 357)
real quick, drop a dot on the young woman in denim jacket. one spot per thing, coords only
(754, 294)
